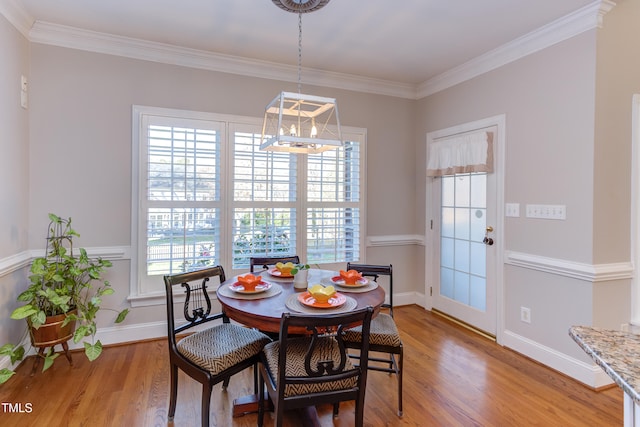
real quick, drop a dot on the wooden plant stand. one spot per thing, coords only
(51, 333)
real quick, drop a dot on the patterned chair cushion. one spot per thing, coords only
(383, 332)
(296, 350)
(222, 346)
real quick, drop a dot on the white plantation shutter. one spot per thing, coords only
(204, 194)
(334, 204)
(182, 199)
(264, 200)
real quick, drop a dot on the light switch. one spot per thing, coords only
(547, 211)
(512, 210)
(24, 97)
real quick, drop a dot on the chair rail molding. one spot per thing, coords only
(576, 270)
(23, 259)
(14, 263)
(395, 240)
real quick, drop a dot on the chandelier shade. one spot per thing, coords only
(300, 123)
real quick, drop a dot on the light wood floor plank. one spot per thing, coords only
(453, 377)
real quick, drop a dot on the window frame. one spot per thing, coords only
(142, 293)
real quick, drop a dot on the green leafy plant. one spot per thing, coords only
(299, 267)
(63, 283)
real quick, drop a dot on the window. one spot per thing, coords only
(205, 195)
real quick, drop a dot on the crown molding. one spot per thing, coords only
(584, 19)
(76, 38)
(17, 16)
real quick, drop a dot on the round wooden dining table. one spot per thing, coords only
(264, 313)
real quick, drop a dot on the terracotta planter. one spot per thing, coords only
(52, 332)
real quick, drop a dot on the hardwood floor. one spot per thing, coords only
(453, 377)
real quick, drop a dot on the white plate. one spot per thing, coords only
(337, 280)
(237, 287)
(277, 273)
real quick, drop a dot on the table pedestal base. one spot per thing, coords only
(249, 404)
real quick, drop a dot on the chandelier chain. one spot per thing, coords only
(299, 52)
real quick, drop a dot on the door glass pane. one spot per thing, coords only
(478, 224)
(448, 226)
(462, 223)
(447, 191)
(446, 252)
(478, 259)
(463, 227)
(478, 292)
(461, 287)
(462, 190)
(479, 190)
(446, 282)
(462, 255)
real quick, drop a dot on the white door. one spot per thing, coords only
(465, 243)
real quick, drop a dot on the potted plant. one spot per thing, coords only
(65, 291)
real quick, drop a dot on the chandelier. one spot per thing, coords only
(298, 123)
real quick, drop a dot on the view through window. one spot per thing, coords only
(207, 195)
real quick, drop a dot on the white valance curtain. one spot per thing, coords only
(464, 153)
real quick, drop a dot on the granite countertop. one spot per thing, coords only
(616, 352)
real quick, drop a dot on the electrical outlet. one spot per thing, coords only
(525, 314)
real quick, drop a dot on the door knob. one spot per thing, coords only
(489, 229)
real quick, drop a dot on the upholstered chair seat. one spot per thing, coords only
(296, 350)
(383, 332)
(222, 346)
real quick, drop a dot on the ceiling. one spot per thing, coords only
(407, 41)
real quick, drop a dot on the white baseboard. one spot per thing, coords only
(107, 336)
(588, 374)
(409, 298)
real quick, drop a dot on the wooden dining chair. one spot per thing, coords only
(384, 336)
(210, 355)
(265, 262)
(301, 371)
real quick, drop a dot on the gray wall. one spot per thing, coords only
(81, 132)
(14, 172)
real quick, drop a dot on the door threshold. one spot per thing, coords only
(464, 324)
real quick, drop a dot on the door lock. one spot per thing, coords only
(488, 240)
